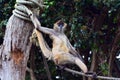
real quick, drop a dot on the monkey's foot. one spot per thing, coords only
(61, 67)
(50, 57)
(94, 75)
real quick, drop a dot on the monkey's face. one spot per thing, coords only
(60, 26)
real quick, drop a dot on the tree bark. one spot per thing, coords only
(14, 52)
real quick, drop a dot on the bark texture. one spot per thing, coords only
(15, 49)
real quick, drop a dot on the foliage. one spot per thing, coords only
(92, 25)
(6, 7)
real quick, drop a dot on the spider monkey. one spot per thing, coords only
(62, 51)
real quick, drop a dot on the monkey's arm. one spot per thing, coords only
(39, 27)
(46, 30)
(43, 45)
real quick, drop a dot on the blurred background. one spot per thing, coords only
(93, 29)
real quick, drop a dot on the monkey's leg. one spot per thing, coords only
(64, 58)
(43, 45)
(81, 65)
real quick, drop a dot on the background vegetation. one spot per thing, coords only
(93, 29)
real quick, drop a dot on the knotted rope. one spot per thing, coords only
(24, 8)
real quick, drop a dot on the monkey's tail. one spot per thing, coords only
(81, 65)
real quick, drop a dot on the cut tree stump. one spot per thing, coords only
(14, 51)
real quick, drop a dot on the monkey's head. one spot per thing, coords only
(60, 26)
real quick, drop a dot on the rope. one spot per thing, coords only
(24, 8)
(83, 74)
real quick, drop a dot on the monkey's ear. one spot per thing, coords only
(55, 26)
(65, 24)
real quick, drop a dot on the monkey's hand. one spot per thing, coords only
(33, 38)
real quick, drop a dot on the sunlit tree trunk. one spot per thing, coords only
(14, 52)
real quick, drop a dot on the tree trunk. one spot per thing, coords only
(115, 48)
(15, 49)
